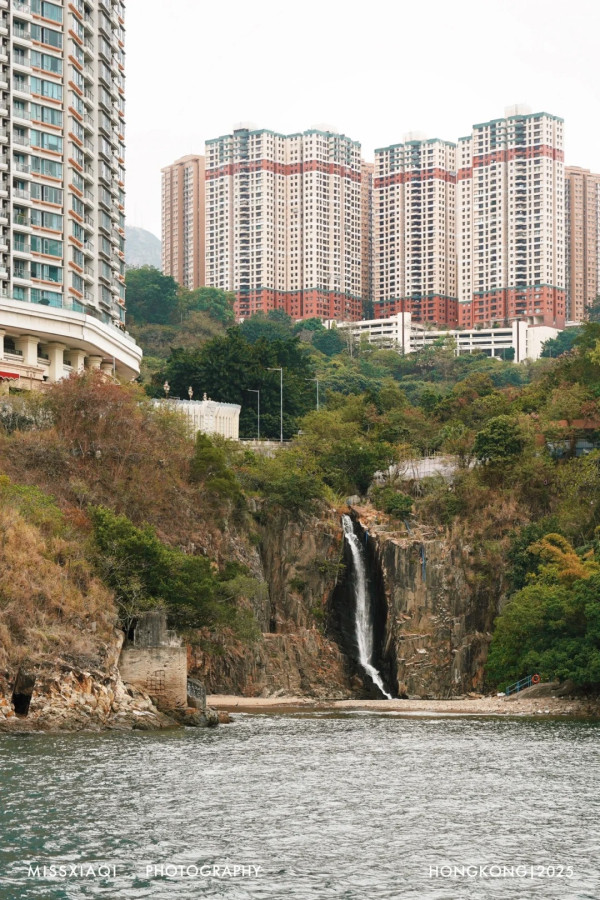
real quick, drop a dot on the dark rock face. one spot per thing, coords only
(433, 616)
(22, 691)
(300, 559)
(439, 621)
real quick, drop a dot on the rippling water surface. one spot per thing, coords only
(354, 806)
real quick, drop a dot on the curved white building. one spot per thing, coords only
(42, 344)
(62, 174)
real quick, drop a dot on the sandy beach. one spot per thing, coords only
(517, 705)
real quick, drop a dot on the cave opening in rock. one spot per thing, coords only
(22, 692)
(378, 675)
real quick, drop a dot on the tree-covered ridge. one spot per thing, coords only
(522, 441)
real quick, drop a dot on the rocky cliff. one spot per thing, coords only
(439, 614)
(72, 698)
(432, 615)
(300, 561)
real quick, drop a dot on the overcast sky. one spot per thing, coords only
(374, 71)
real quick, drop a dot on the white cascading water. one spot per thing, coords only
(364, 625)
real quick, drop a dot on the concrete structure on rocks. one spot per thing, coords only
(156, 662)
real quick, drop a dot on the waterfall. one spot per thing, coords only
(364, 624)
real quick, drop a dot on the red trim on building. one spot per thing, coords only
(299, 304)
(436, 309)
(269, 165)
(415, 175)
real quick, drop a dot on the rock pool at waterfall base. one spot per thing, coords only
(326, 805)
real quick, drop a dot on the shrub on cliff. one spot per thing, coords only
(143, 572)
(394, 503)
(288, 480)
(552, 625)
(210, 469)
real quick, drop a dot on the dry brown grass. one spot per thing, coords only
(50, 603)
(110, 447)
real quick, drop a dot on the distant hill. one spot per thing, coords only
(142, 248)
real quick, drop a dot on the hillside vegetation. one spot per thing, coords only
(516, 434)
(108, 509)
(154, 519)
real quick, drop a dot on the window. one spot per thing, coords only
(77, 206)
(47, 10)
(48, 246)
(76, 128)
(49, 220)
(76, 153)
(46, 272)
(46, 114)
(46, 36)
(46, 62)
(46, 88)
(46, 167)
(48, 298)
(46, 193)
(46, 141)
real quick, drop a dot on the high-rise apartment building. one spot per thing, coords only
(183, 225)
(473, 232)
(414, 230)
(511, 234)
(62, 285)
(283, 222)
(582, 209)
(366, 213)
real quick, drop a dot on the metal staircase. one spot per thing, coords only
(522, 684)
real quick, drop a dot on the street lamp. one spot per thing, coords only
(317, 380)
(254, 391)
(280, 370)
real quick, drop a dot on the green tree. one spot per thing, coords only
(151, 296)
(562, 343)
(275, 325)
(143, 572)
(328, 341)
(500, 441)
(216, 303)
(209, 468)
(227, 368)
(552, 625)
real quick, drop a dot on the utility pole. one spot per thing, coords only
(255, 391)
(280, 370)
(317, 380)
